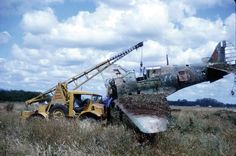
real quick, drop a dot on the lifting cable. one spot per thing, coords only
(141, 61)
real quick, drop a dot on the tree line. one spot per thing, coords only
(205, 102)
(16, 95)
(21, 96)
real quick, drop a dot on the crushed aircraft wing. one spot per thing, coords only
(148, 112)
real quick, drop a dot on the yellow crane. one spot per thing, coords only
(62, 101)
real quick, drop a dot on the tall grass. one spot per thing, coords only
(189, 133)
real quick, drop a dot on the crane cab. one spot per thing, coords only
(85, 105)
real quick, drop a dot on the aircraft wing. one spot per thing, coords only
(148, 112)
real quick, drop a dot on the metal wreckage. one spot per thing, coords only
(142, 99)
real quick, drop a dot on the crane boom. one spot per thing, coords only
(96, 69)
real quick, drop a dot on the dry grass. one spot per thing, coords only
(190, 133)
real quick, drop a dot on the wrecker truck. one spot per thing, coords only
(73, 103)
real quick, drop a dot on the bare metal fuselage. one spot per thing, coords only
(163, 81)
(166, 79)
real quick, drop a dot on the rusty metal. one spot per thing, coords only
(168, 79)
(150, 104)
(143, 98)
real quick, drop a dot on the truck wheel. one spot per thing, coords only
(36, 117)
(58, 111)
(89, 117)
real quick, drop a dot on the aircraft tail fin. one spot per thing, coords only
(218, 55)
(222, 61)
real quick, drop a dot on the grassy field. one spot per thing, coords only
(190, 132)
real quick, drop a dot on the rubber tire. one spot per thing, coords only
(89, 117)
(35, 117)
(59, 107)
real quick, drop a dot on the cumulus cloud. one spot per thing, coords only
(54, 50)
(177, 11)
(229, 24)
(112, 28)
(4, 37)
(39, 21)
(195, 31)
(34, 66)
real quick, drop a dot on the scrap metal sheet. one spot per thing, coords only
(147, 123)
(146, 111)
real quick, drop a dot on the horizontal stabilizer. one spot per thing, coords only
(218, 71)
(228, 68)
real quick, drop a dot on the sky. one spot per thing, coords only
(43, 42)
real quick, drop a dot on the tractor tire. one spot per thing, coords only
(58, 111)
(89, 117)
(35, 117)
